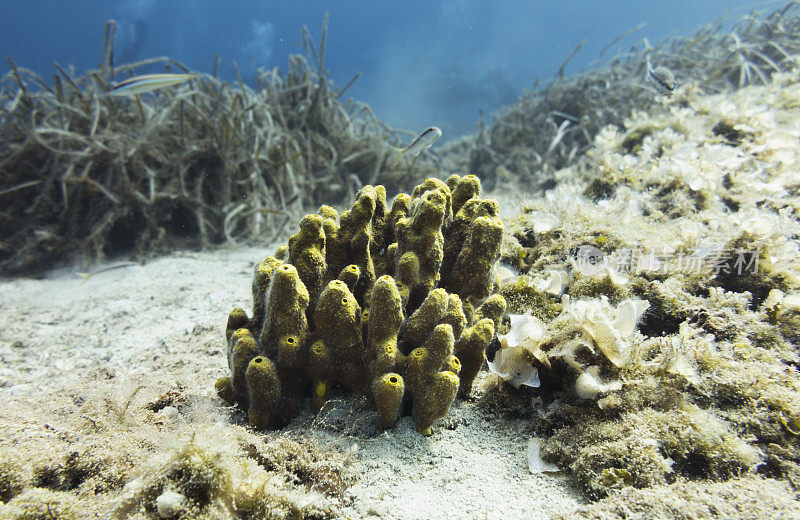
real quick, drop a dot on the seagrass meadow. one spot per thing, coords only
(588, 309)
(86, 175)
(551, 127)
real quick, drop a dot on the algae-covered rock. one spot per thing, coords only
(363, 301)
(216, 474)
(41, 503)
(669, 351)
(649, 448)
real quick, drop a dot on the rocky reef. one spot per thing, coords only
(393, 303)
(653, 299)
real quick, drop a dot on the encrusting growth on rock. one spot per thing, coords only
(393, 303)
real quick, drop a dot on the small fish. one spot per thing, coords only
(270, 211)
(661, 78)
(42, 234)
(502, 173)
(87, 276)
(424, 140)
(147, 82)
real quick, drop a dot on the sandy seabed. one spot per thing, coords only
(77, 355)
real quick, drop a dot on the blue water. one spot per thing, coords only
(421, 62)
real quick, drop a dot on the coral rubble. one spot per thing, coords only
(394, 303)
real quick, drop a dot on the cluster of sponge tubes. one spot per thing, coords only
(394, 304)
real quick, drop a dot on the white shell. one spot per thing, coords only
(610, 328)
(513, 362)
(169, 504)
(513, 366)
(589, 385)
(555, 283)
(535, 462)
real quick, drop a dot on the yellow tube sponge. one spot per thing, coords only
(454, 315)
(352, 244)
(453, 364)
(307, 254)
(432, 389)
(264, 390)
(338, 325)
(382, 233)
(292, 363)
(334, 255)
(470, 349)
(440, 345)
(388, 392)
(420, 324)
(243, 349)
(350, 275)
(401, 207)
(423, 362)
(415, 369)
(261, 280)
(233, 338)
(385, 319)
(421, 234)
(466, 188)
(435, 402)
(224, 389)
(237, 319)
(390, 302)
(472, 274)
(287, 300)
(338, 321)
(493, 307)
(434, 185)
